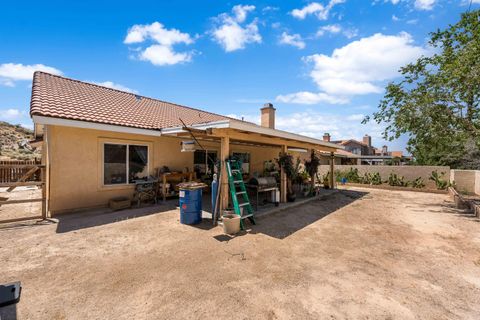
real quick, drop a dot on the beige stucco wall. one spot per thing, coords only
(75, 159)
(409, 172)
(466, 181)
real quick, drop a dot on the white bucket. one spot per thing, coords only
(231, 222)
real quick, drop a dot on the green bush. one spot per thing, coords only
(440, 182)
(397, 181)
(418, 183)
(351, 175)
(372, 178)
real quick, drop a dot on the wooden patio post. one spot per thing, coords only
(332, 164)
(224, 153)
(283, 180)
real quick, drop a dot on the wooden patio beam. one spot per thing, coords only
(267, 140)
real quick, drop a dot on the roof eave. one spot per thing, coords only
(46, 120)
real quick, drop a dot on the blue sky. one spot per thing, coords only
(323, 64)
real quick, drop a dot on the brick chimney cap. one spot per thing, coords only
(268, 105)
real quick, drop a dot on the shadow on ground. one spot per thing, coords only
(450, 208)
(279, 225)
(285, 223)
(82, 220)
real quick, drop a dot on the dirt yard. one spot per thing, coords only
(360, 254)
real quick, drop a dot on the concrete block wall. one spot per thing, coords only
(466, 181)
(477, 182)
(409, 172)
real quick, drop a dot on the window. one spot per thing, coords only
(123, 160)
(204, 161)
(244, 158)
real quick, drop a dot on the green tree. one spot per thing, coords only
(436, 104)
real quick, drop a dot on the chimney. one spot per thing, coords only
(268, 116)
(384, 151)
(326, 137)
(367, 140)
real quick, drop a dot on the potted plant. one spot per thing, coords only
(311, 167)
(285, 162)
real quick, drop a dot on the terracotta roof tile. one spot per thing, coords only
(59, 97)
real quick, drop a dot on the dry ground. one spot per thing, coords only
(360, 254)
(20, 210)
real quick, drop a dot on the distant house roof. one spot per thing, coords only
(59, 97)
(344, 142)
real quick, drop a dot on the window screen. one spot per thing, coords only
(115, 168)
(137, 162)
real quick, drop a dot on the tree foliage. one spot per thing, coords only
(436, 104)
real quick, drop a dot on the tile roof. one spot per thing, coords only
(59, 97)
(344, 142)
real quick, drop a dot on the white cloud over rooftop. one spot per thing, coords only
(13, 72)
(231, 31)
(161, 50)
(359, 67)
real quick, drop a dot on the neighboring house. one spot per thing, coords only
(97, 140)
(363, 148)
(362, 152)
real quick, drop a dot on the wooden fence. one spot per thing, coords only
(23, 174)
(12, 170)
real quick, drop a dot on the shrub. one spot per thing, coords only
(397, 181)
(440, 182)
(351, 175)
(418, 183)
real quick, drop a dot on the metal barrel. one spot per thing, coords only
(190, 206)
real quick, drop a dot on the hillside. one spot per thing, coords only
(14, 142)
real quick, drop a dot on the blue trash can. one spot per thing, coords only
(190, 206)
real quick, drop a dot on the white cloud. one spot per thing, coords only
(306, 97)
(335, 29)
(12, 114)
(270, 8)
(12, 72)
(241, 12)
(161, 52)
(231, 34)
(395, 18)
(162, 55)
(424, 4)
(331, 28)
(355, 117)
(314, 124)
(319, 10)
(113, 85)
(358, 68)
(292, 40)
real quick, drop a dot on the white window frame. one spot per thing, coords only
(126, 161)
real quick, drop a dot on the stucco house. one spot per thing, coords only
(96, 140)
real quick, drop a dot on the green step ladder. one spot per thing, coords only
(238, 191)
